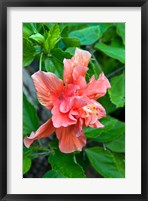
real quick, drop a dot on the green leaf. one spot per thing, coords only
(118, 145)
(30, 118)
(109, 35)
(117, 91)
(57, 57)
(89, 35)
(52, 38)
(94, 68)
(26, 164)
(71, 50)
(121, 31)
(27, 30)
(38, 38)
(30, 28)
(38, 49)
(60, 54)
(58, 65)
(52, 174)
(49, 66)
(82, 159)
(106, 163)
(28, 52)
(54, 65)
(71, 42)
(113, 128)
(107, 104)
(114, 52)
(117, 130)
(117, 42)
(69, 27)
(65, 165)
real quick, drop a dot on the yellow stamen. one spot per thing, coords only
(90, 109)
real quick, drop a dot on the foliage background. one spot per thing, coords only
(45, 45)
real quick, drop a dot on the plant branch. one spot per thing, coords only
(115, 72)
(40, 65)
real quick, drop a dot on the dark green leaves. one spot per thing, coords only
(53, 174)
(55, 62)
(27, 30)
(30, 119)
(49, 66)
(114, 52)
(45, 46)
(106, 163)
(121, 31)
(89, 35)
(107, 104)
(117, 91)
(28, 52)
(26, 164)
(30, 28)
(71, 42)
(60, 54)
(38, 38)
(65, 165)
(113, 128)
(117, 145)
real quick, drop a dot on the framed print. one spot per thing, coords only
(73, 100)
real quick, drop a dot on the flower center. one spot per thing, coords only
(61, 96)
(90, 109)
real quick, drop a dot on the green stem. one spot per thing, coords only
(97, 64)
(115, 72)
(40, 65)
(40, 143)
(33, 27)
(104, 147)
(40, 154)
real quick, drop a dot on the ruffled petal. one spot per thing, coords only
(61, 119)
(47, 85)
(100, 109)
(97, 124)
(44, 131)
(96, 88)
(70, 90)
(78, 102)
(71, 138)
(78, 75)
(81, 58)
(65, 106)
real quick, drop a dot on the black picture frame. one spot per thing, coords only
(4, 4)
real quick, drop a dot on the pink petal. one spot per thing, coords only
(65, 106)
(79, 76)
(70, 90)
(101, 111)
(81, 58)
(97, 124)
(71, 138)
(104, 80)
(61, 119)
(68, 69)
(96, 88)
(78, 102)
(43, 131)
(47, 85)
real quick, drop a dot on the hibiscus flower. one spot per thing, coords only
(72, 102)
